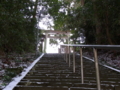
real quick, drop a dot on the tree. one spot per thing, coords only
(16, 34)
(99, 19)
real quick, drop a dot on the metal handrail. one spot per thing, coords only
(95, 47)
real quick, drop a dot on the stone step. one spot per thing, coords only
(38, 88)
(117, 88)
(80, 88)
(53, 73)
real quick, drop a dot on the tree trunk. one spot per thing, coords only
(98, 32)
(82, 2)
(98, 25)
(107, 27)
(34, 14)
(34, 22)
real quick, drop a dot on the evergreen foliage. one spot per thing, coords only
(16, 32)
(99, 20)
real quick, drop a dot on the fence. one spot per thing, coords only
(94, 47)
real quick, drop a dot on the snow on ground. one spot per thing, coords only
(108, 59)
(17, 79)
(103, 65)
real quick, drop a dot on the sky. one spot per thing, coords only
(52, 48)
(47, 23)
(44, 24)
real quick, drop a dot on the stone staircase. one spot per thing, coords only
(53, 73)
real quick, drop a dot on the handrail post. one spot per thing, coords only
(97, 69)
(81, 59)
(66, 53)
(69, 56)
(73, 59)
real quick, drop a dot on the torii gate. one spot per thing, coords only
(54, 35)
